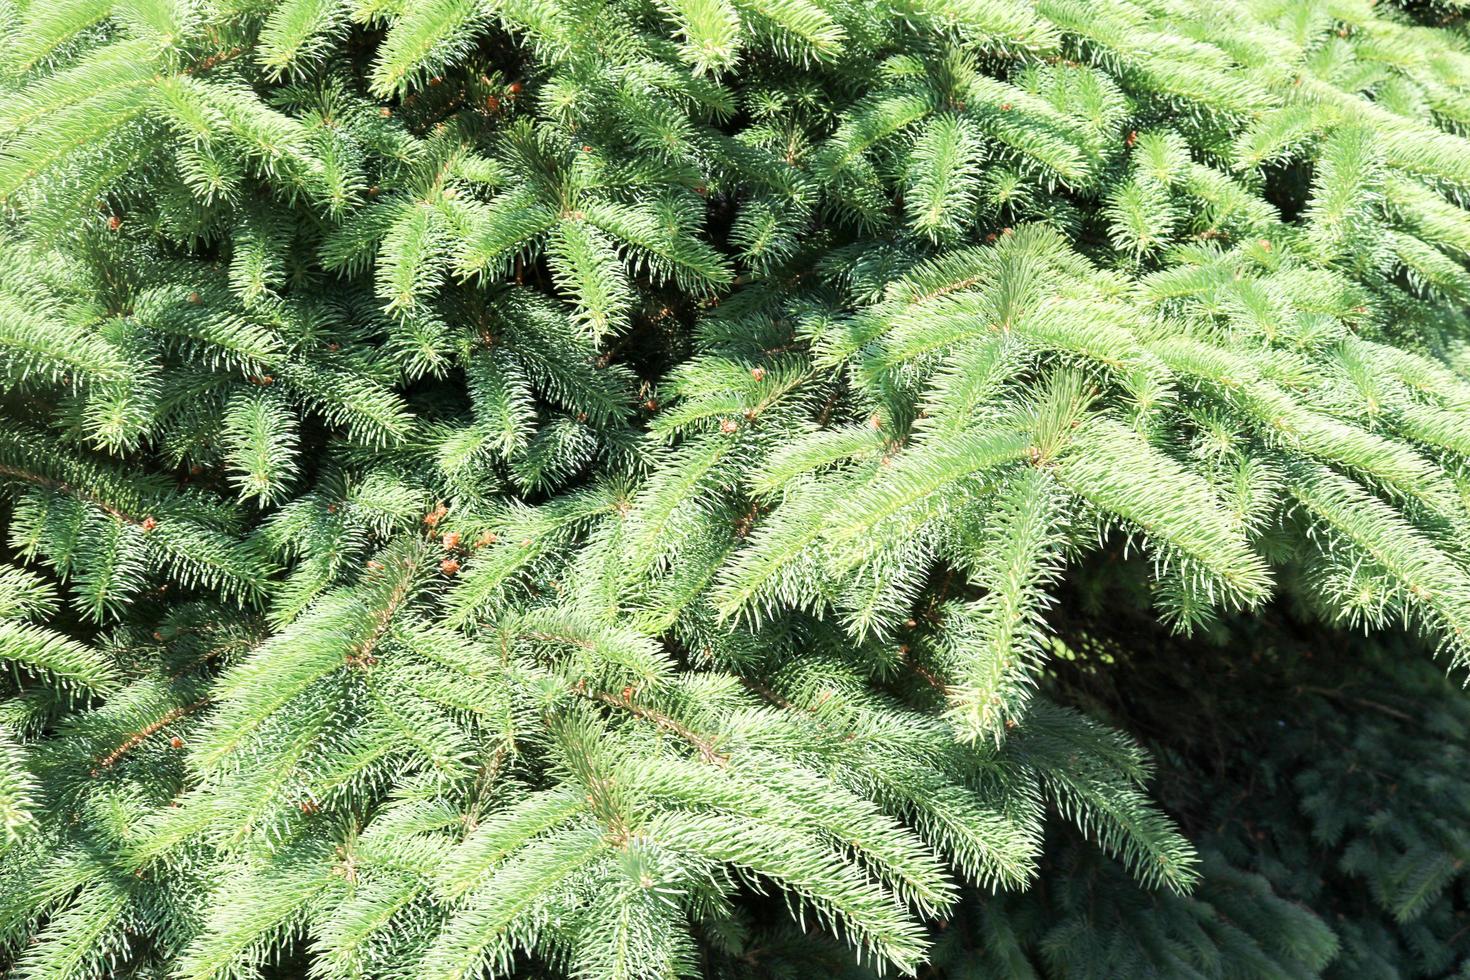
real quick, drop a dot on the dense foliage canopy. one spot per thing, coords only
(734, 488)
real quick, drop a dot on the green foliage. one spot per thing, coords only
(580, 487)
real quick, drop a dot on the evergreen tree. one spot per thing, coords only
(599, 488)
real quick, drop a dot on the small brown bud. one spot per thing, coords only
(194, 298)
(149, 524)
(114, 223)
(176, 742)
(758, 373)
(449, 566)
(728, 426)
(450, 541)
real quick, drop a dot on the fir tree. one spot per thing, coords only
(609, 489)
